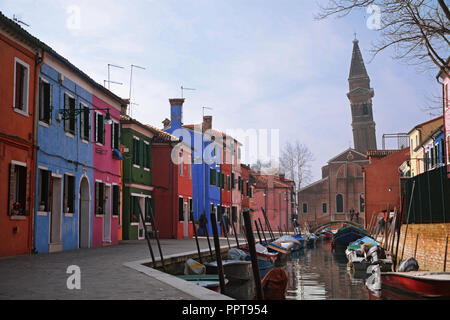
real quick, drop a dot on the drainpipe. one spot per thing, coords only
(39, 61)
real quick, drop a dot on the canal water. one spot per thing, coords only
(319, 273)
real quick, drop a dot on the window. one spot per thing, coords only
(180, 209)
(44, 190)
(324, 207)
(99, 198)
(190, 169)
(70, 122)
(136, 209)
(232, 181)
(115, 136)
(136, 151)
(21, 80)
(234, 214)
(305, 208)
(228, 183)
(191, 210)
(212, 177)
(146, 155)
(446, 96)
(149, 205)
(45, 101)
(99, 128)
(69, 194)
(115, 200)
(18, 190)
(339, 203)
(365, 109)
(180, 164)
(213, 210)
(85, 122)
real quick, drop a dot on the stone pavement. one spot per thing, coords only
(104, 274)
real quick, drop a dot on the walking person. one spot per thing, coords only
(357, 216)
(202, 225)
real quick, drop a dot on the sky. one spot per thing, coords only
(258, 64)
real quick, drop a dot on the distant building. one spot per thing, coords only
(445, 78)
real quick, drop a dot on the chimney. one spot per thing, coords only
(166, 124)
(207, 123)
(124, 107)
(176, 113)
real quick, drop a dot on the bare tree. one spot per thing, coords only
(418, 30)
(295, 162)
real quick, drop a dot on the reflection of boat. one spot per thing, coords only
(425, 284)
(210, 281)
(274, 285)
(234, 269)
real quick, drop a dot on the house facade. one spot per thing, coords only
(172, 181)
(136, 139)
(20, 58)
(444, 79)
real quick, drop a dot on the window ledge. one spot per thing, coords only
(84, 141)
(70, 135)
(68, 215)
(18, 217)
(147, 169)
(99, 215)
(44, 124)
(19, 111)
(42, 213)
(136, 166)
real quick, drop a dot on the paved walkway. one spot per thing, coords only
(106, 273)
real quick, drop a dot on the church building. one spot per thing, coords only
(341, 187)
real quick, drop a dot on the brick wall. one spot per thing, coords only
(430, 245)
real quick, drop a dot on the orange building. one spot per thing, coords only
(20, 59)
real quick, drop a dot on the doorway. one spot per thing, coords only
(56, 215)
(107, 216)
(186, 220)
(84, 215)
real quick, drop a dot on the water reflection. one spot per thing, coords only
(320, 274)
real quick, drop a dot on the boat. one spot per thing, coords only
(209, 281)
(347, 234)
(296, 244)
(423, 283)
(328, 234)
(311, 239)
(301, 239)
(234, 269)
(263, 253)
(274, 285)
(365, 252)
(278, 247)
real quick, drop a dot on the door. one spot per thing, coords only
(141, 229)
(84, 215)
(56, 212)
(186, 220)
(107, 216)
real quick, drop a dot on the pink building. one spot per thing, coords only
(444, 77)
(107, 172)
(274, 194)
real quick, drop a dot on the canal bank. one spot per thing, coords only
(106, 274)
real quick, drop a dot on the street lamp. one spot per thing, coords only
(67, 114)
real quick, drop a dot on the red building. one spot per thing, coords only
(20, 60)
(275, 194)
(225, 181)
(247, 192)
(381, 180)
(172, 184)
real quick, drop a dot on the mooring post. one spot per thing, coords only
(254, 259)
(225, 232)
(196, 241)
(218, 255)
(207, 237)
(445, 255)
(415, 248)
(257, 230)
(155, 231)
(235, 235)
(147, 237)
(262, 230)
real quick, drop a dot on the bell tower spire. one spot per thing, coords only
(360, 95)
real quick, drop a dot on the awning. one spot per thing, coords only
(117, 154)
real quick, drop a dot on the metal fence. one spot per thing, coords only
(431, 197)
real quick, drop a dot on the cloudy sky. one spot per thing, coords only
(259, 64)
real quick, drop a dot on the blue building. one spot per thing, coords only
(66, 142)
(434, 149)
(206, 159)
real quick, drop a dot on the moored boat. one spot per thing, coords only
(345, 235)
(274, 285)
(422, 283)
(209, 281)
(234, 269)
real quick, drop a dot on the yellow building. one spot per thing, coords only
(416, 138)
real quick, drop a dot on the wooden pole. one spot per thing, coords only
(147, 237)
(257, 230)
(155, 231)
(235, 235)
(262, 230)
(407, 218)
(445, 255)
(196, 242)
(225, 232)
(398, 231)
(254, 259)
(386, 227)
(415, 248)
(207, 237)
(218, 255)
(268, 224)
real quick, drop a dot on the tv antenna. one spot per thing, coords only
(17, 19)
(109, 81)
(183, 88)
(131, 81)
(203, 112)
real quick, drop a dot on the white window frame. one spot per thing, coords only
(26, 104)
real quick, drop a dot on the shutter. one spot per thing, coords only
(27, 196)
(82, 122)
(96, 126)
(41, 100)
(65, 194)
(50, 103)
(46, 102)
(50, 193)
(97, 190)
(103, 198)
(112, 135)
(103, 129)
(12, 188)
(66, 107)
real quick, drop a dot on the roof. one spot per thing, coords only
(215, 132)
(124, 119)
(349, 150)
(162, 136)
(357, 67)
(18, 31)
(379, 153)
(424, 123)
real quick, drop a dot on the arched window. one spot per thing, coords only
(339, 203)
